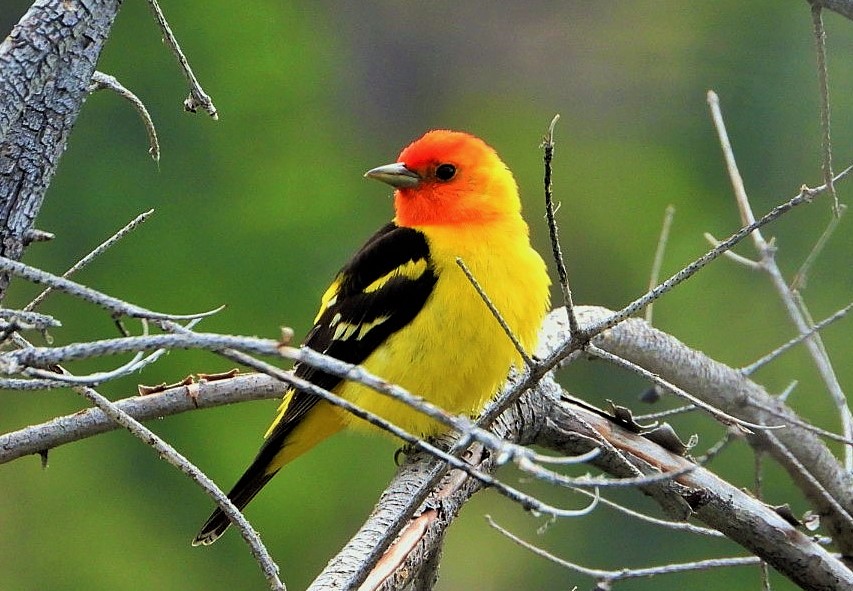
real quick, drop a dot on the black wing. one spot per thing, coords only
(378, 292)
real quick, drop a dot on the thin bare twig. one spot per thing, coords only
(28, 320)
(623, 574)
(564, 460)
(97, 251)
(823, 80)
(755, 365)
(794, 305)
(806, 195)
(718, 414)
(783, 396)
(116, 306)
(802, 424)
(171, 455)
(652, 416)
(495, 312)
(198, 97)
(674, 525)
(587, 482)
(733, 256)
(657, 263)
(101, 81)
(805, 473)
(548, 145)
(715, 449)
(801, 276)
(39, 357)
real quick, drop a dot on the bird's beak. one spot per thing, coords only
(396, 175)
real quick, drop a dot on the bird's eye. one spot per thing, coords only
(445, 172)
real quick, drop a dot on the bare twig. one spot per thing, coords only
(101, 81)
(783, 396)
(171, 455)
(28, 320)
(197, 98)
(38, 357)
(807, 474)
(495, 312)
(674, 525)
(114, 305)
(91, 422)
(657, 263)
(589, 482)
(651, 416)
(802, 424)
(715, 449)
(801, 276)
(718, 414)
(733, 256)
(794, 306)
(607, 576)
(97, 251)
(806, 195)
(548, 145)
(823, 80)
(755, 365)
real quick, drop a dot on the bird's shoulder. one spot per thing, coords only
(383, 286)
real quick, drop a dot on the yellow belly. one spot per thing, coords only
(455, 353)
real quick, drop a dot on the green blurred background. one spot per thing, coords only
(258, 210)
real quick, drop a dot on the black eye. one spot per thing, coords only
(445, 172)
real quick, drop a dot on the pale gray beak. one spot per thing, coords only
(396, 175)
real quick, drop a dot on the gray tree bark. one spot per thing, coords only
(46, 65)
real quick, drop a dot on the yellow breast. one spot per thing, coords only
(455, 353)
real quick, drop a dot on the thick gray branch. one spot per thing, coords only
(732, 392)
(46, 64)
(548, 418)
(204, 394)
(551, 419)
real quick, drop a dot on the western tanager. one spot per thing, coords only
(403, 308)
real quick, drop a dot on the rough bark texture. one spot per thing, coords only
(550, 418)
(46, 64)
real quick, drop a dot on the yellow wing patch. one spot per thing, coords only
(345, 330)
(411, 270)
(329, 298)
(282, 408)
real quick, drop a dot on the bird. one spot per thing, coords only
(403, 308)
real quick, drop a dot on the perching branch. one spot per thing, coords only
(194, 395)
(567, 430)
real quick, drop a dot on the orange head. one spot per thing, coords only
(449, 177)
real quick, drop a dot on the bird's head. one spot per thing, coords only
(449, 177)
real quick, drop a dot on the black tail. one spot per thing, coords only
(250, 483)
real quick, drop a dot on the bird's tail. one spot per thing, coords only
(250, 483)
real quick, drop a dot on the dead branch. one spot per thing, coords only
(550, 419)
(47, 62)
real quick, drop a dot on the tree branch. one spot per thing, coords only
(46, 65)
(842, 7)
(550, 418)
(87, 423)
